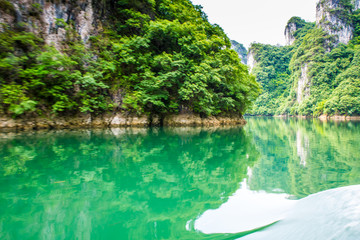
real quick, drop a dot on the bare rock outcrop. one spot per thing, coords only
(118, 120)
(290, 29)
(333, 17)
(303, 88)
(356, 4)
(251, 62)
(196, 120)
(294, 24)
(50, 19)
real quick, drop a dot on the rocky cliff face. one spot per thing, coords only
(52, 19)
(251, 62)
(290, 29)
(303, 88)
(356, 4)
(293, 25)
(240, 49)
(333, 17)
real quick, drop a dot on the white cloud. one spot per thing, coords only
(261, 21)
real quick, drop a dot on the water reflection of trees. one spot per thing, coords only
(302, 157)
(118, 183)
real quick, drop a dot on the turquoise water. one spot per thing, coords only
(168, 183)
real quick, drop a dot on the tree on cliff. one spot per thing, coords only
(149, 57)
(322, 75)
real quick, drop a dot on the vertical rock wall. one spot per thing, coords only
(81, 14)
(356, 4)
(332, 17)
(290, 29)
(251, 62)
(294, 24)
(241, 51)
(303, 88)
(51, 19)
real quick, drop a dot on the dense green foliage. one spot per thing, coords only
(153, 57)
(273, 74)
(37, 78)
(330, 73)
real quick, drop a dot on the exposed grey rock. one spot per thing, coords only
(356, 4)
(332, 17)
(293, 25)
(290, 29)
(303, 89)
(328, 17)
(117, 120)
(251, 62)
(240, 49)
(51, 19)
(196, 120)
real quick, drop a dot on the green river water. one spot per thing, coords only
(172, 183)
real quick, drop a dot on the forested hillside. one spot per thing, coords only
(142, 56)
(319, 73)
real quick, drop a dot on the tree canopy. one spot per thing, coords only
(331, 71)
(152, 57)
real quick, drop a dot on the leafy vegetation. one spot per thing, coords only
(273, 74)
(36, 78)
(153, 57)
(329, 73)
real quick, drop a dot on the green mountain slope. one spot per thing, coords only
(318, 74)
(142, 56)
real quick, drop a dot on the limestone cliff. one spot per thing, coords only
(356, 4)
(240, 49)
(290, 29)
(303, 85)
(333, 17)
(251, 62)
(50, 19)
(317, 72)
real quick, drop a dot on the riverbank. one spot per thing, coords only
(339, 118)
(322, 117)
(117, 120)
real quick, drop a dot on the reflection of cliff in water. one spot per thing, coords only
(123, 183)
(302, 157)
(302, 146)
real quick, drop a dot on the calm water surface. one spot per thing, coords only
(182, 183)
